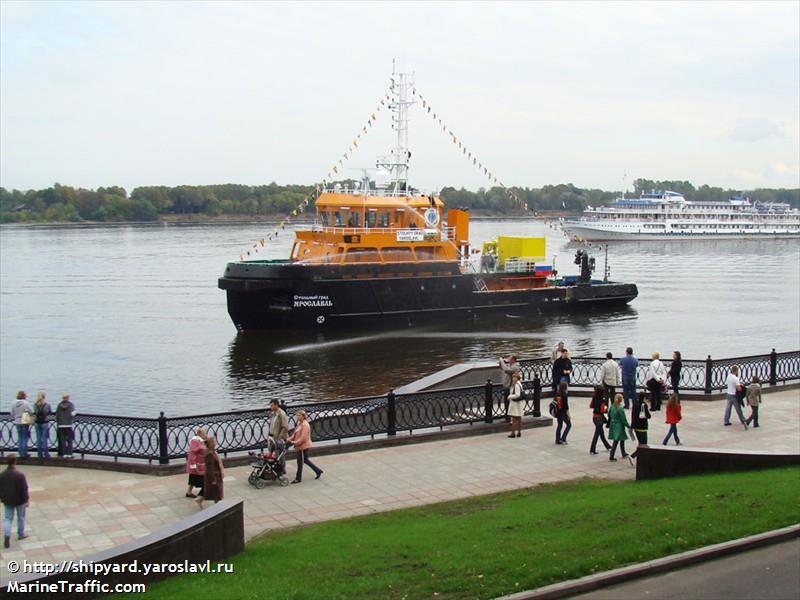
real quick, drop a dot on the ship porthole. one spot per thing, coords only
(320, 319)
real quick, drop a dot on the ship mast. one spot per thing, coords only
(397, 160)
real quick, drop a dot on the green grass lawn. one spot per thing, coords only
(493, 545)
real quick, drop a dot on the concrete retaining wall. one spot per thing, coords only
(654, 462)
(213, 534)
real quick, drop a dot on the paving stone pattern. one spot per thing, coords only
(75, 512)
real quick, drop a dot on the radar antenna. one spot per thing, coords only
(396, 162)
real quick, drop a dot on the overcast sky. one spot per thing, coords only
(174, 93)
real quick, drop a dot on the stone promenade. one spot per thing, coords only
(75, 512)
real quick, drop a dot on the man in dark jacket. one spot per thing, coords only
(562, 368)
(14, 495)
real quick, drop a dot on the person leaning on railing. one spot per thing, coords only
(65, 415)
(675, 371)
(42, 411)
(21, 414)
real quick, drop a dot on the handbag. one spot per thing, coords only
(552, 408)
(26, 418)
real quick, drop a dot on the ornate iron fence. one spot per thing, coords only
(164, 438)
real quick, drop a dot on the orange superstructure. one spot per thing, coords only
(390, 228)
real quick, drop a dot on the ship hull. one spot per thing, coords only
(268, 296)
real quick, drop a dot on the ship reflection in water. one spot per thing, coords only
(313, 366)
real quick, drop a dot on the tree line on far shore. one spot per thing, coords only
(62, 203)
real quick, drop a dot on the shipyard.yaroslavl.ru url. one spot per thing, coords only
(100, 570)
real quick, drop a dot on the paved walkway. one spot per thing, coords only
(771, 573)
(75, 512)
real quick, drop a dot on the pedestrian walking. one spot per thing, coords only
(279, 424)
(562, 414)
(673, 418)
(508, 366)
(655, 377)
(41, 416)
(610, 377)
(22, 415)
(754, 399)
(640, 420)
(301, 438)
(733, 386)
(213, 488)
(562, 369)
(196, 462)
(675, 371)
(15, 499)
(599, 410)
(516, 405)
(65, 417)
(628, 364)
(619, 423)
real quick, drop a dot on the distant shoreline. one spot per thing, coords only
(181, 220)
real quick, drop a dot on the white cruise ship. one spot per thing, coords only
(669, 216)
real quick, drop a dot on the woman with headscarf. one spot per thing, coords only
(215, 473)
(196, 462)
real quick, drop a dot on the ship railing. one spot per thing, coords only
(380, 192)
(520, 265)
(164, 439)
(445, 233)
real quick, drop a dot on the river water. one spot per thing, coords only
(129, 320)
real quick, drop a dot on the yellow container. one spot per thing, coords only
(529, 248)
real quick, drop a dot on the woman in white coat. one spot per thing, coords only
(516, 405)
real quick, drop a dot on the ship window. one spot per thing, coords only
(372, 218)
(383, 218)
(354, 219)
(397, 254)
(399, 221)
(428, 252)
(337, 219)
(362, 255)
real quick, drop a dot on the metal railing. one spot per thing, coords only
(696, 375)
(445, 233)
(167, 438)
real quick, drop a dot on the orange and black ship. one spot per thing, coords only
(388, 255)
(397, 259)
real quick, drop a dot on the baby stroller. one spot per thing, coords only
(269, 466)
